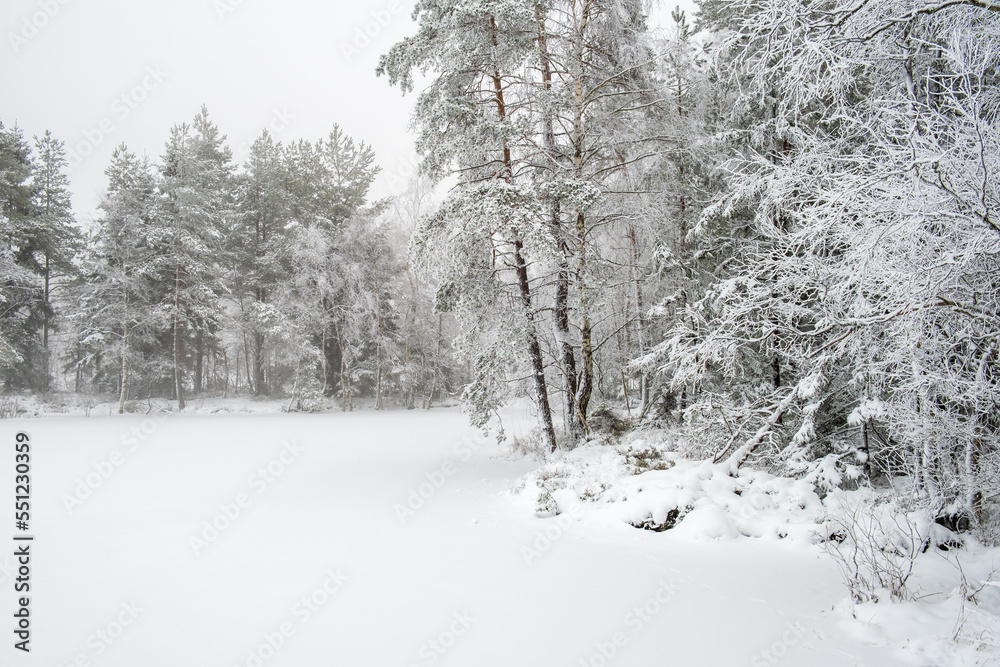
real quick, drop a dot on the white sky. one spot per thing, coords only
(113, 71)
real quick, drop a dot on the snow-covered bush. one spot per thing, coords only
(642, 484)
(875, 543)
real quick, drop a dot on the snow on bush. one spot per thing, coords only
(644, 485)
(875, 542)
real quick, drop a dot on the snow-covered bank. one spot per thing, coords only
(952, 594)
(394, 539)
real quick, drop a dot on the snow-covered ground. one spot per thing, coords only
(405, 538)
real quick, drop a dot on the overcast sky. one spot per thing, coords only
(101, 72)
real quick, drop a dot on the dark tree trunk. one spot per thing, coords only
(178, 379)
(45, 326)
(586, 332)
(534, 350)
(199, 362)
(524, 286)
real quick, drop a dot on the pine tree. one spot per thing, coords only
(259, 254)
(672, 258)
(56, 236)
(470, 119)
(603, 97)
(116, 315)
(196, 185)
(22, 295)
(328, 183)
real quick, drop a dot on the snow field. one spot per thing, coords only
(277, 540)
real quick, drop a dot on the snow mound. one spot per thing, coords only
(643, 485)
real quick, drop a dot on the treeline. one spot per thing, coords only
(276, 277)
(780, 231)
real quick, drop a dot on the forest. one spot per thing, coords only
(773, 227)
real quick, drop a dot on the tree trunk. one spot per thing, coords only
(524, 286)
(567, 356)
(378, 358)
(346, 392)
(258, 340)
(178, 379)
(79, 360)
(973, 450)
(577, 67)
(534, 351)
(640, 321)
(124, 369)
(199, 363)
(258, 364)
(247, 355)
(866, 448)
(974, 496)
(324, 344)
(740, 456)
(586, 333)
(124, 392)
(45, 326)
(435, 373)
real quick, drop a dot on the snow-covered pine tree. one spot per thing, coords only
(668, 266)
(471, 120)
(115, 317)
(197, 186)
(259, 256)
(603, 97)
(22, 294)
(628, 109)
(57, 237)
(328, 185)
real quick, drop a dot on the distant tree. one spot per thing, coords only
(22, 293)
(259, 254)
(116, 316)
(428, 368)
(196, 182)
(329, 182)
(54, 230)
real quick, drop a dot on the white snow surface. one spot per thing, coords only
(408, 539)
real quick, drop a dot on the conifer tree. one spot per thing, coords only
(470, 119)
(196, 186)
(259, 254)
(22, 294)
(116, 314)
(54, 230)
